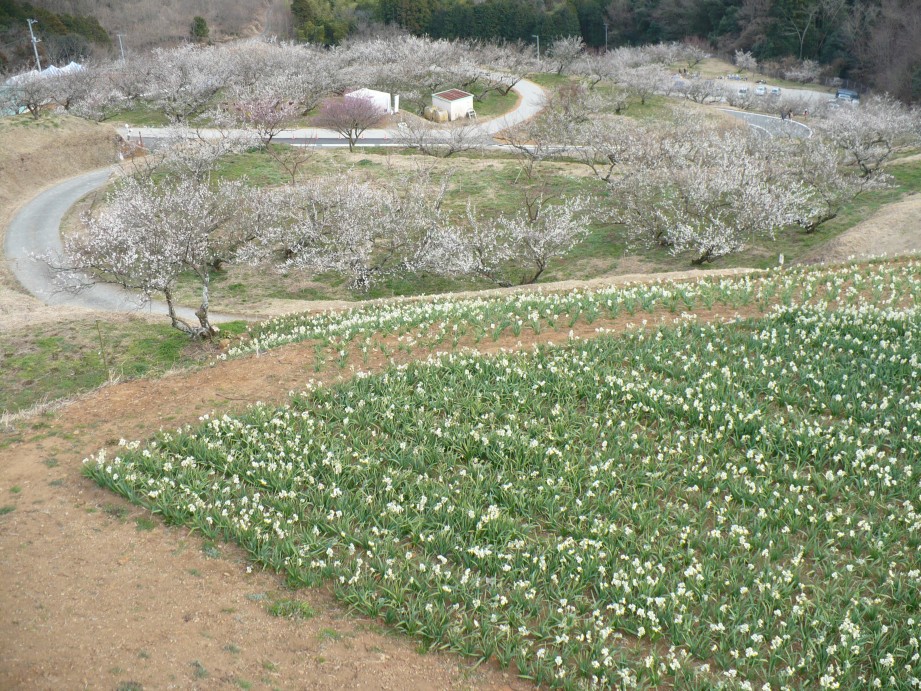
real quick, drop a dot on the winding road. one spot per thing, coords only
(771, 125)
(530, 103)
(35, 231)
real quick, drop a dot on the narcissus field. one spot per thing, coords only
(699, 503)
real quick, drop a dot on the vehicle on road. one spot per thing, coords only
(743, 91)
(760, 90)
(847, 95)
(775, 91)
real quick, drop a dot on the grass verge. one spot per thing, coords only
(52, 361)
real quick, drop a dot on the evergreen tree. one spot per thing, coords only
(199, 30)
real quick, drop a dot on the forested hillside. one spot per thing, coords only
(92, 26)
(64, 37)
(872, 42)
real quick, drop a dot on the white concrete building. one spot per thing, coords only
(457, 103)
(379, 98)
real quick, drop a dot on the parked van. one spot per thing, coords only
(847, 95)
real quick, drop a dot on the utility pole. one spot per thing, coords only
(605, 37)
(121, 47)
(538, 49)
(35, 42)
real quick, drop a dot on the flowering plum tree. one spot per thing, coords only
(30, 91)
(345, 224)
(644, 80)
(349, 116)
(564, 51)
(67, 89)
(744, 60)
(805, 72)
(184, 80)
(411, 66)
(113, 88)
(700, 90)
(192, 153)
(870, 133)
(543, 231)
(609, 145)
(153, 230)
(691, 52)
(592, 68)
(529, 239)
(265, 115)
(301, 73)
(443, 142)
(817, 164)
(507, 64)
(707, 192)
(293, 157)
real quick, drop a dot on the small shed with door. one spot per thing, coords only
(456, 103)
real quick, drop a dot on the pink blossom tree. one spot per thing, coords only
(349, 116)
(265, 116)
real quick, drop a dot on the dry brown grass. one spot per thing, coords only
(145, 24)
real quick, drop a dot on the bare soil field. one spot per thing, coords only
(98, 595)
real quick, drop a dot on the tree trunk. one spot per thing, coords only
(705, 258)
(177, 323)
(540, 266)
(815, 223)
(207, 331)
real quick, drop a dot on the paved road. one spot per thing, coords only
(531, 102)
(772, 125)
(35, 231)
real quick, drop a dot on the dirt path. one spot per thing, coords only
(96, 595)
(892, 231)
(94, 599)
